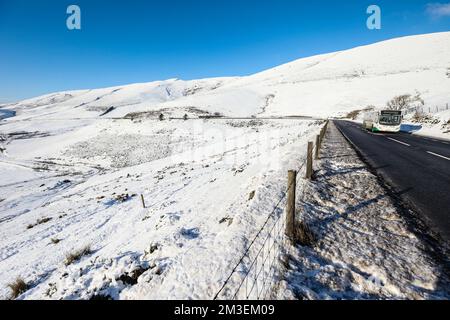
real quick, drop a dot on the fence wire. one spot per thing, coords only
(426, 109)
(253, 276)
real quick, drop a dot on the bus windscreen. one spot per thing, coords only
(393, 118)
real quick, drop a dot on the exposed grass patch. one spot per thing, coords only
(420, 117)
(77, 255)
(355, 113)
(226, 219)
(52, 289)
(38, 222)
(101, 297)
(303, 234)
(123, 197)
(18, 287)
(44, 220)
(132, 278)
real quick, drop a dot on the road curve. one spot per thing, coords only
(417, 168)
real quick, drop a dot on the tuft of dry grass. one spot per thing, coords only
(44, 220)
(303, 234)
(38, 222)
(17, 287)
(77, 255)
(419, 116)
(132, 277)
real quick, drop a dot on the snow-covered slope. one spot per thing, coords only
(68, 184)
(324, 85)
(124, 99)
(338, 82)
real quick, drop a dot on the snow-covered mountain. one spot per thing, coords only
(323, 85)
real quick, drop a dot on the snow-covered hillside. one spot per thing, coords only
(324, 85)
(64, 188)
(74, 164)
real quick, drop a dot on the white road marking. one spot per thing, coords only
(438, 155)
(405, 144)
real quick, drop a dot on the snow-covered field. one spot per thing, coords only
(195, 176)
(74, 164)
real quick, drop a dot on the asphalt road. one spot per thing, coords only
(418, 169)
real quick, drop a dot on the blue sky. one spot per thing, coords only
(131, 41)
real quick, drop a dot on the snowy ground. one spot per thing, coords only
(77, 183)
(365, 247)
(434, 125)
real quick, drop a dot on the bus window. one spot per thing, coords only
(390, 120)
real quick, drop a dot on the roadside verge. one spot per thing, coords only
(364, 247)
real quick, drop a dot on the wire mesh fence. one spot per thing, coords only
(253, 276)
(426, 109)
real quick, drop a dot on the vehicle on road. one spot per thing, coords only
(383, 121)
(416, 168)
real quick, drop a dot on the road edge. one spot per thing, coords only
(440, 248)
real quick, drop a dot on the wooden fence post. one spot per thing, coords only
(309, 161)
(320, 137)
(290, 206)
(143, 201)
(323, 135)
(317, 147)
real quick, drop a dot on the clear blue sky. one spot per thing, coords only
(138, 41)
